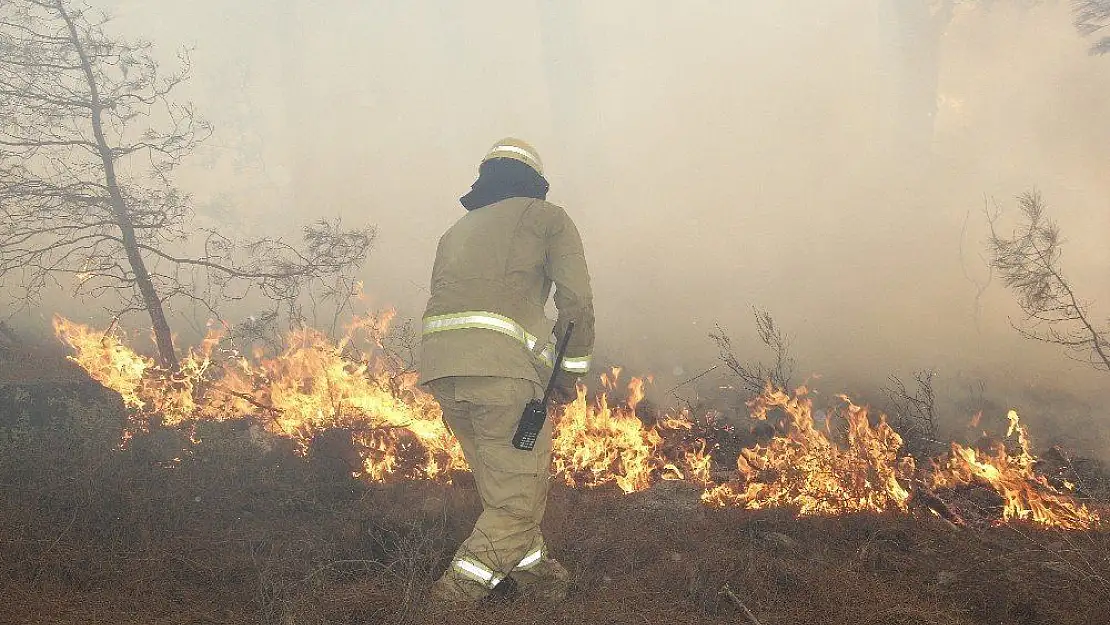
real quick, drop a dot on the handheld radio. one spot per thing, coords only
(535, 413)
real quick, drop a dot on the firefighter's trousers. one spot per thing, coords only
(483, 413)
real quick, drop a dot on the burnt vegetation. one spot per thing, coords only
(232, 533)
(754, 375)
(214, 523)
(913, 412)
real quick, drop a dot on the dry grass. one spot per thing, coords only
(229, 534)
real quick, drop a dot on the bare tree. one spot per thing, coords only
(1028, 260)
(89, 140)
(1093, 17)
(755, 376)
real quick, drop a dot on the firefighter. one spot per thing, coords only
(486, 351)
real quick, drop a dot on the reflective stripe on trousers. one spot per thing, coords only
(482, 320)
(477, 571)
(488, 578)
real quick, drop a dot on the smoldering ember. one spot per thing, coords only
(554, 312)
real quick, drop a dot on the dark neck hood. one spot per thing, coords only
(503, 178)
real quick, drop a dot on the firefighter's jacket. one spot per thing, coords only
(493, 274)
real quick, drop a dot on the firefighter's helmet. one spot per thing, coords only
(517, 150)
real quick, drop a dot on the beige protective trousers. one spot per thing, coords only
(483, 413)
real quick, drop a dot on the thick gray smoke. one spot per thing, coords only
(826, 161)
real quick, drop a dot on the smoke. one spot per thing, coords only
(829, 162)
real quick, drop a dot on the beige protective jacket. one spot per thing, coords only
(493, 274)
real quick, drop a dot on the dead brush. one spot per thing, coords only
(913, 412)
(754, 376)
(379, 568)
(413, 559)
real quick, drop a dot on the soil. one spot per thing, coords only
(222, 531)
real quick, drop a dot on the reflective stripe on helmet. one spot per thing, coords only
(482, 320)
(477, 571)
(532, 158)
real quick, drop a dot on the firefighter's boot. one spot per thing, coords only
(547, 580)
(451, 593)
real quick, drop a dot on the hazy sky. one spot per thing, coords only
(715, 155)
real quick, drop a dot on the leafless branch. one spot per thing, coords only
(1092, 17)
(726, 591)
(914, 413)
(1029, 262)
(755, 376)
(981, 285)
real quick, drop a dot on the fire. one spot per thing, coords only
(1025, 495)
(803, 468)
(137, 379)
(597, 443)
(315, 385)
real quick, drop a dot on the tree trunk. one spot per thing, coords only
(914, 29)
(151, 301)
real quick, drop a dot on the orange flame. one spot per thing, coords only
(1026, 495)
(316, 384)
(802, 468)
(312, 385)
(143, 387)
(596, 444)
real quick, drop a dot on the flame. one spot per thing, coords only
(139, 382)
(1025, 495)
(699, 464)
(802, 468)
(975, 419)
(314, 384)
(596, 443)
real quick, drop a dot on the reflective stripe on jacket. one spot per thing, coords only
(477, 319)
(493, 274)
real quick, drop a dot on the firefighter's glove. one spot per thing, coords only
(565, 388)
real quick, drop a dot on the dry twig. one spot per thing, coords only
(943, 511)
(726, 591)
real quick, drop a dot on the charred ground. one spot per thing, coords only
(229, 533)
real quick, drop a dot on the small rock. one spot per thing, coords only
(1063, 568)
(432, 504)
(778, 540)
(945, 578)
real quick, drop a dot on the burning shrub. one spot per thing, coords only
(1024, 494)
(803, 468)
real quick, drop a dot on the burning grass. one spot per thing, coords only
(804, 469)
(851, 462)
